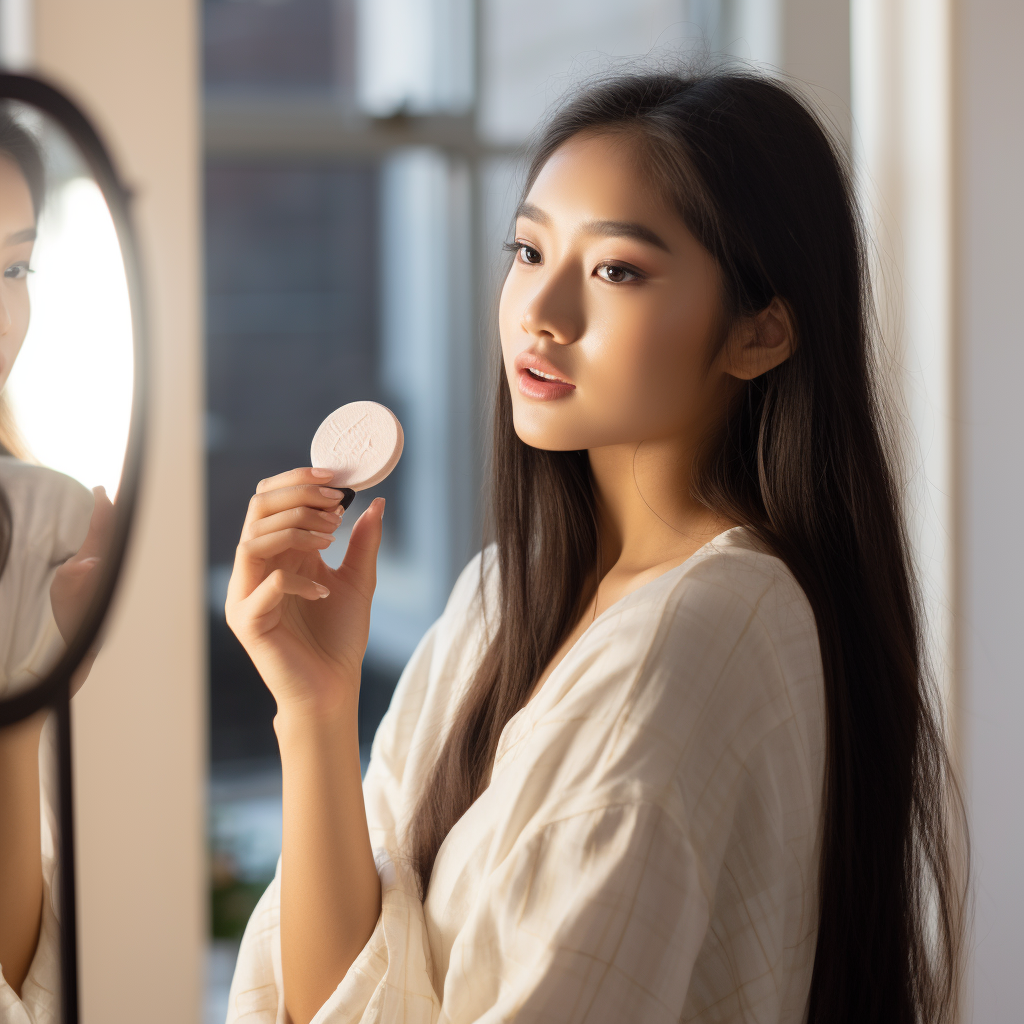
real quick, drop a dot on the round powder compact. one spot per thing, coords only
(361, 442)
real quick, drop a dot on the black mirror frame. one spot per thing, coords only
(54, 692)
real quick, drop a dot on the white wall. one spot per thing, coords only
(902, 143)
(139, 727)
(989, 150)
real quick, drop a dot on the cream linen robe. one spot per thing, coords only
(50, 515)
(647, 847)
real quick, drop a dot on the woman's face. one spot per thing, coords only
(17, 235)
(608, 312)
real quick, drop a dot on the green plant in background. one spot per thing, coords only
(232, 898)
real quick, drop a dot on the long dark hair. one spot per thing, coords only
(803, 461)
(18, 145)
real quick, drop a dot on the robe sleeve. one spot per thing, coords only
(596, 917)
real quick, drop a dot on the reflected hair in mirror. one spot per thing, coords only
(20, 145)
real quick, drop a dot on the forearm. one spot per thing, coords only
(330, 891)
(21, 867)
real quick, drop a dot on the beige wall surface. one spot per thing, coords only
(139, 722)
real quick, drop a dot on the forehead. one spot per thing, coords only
(600, 177)
(15, 199)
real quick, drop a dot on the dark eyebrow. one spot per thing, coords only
(608, 228)
(534, 213)
(625, 229)
(20, 237)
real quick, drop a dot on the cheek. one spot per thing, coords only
(649, 371)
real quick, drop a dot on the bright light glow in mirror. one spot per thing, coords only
(71, 388)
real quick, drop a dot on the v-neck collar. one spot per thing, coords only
(548, 695)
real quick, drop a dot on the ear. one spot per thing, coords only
(761, 342)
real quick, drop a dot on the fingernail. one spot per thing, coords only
(322, 591)
(323, 536)
(331, 492)
(331, 517)
(323, 474)
(382, 504)
(347, 494)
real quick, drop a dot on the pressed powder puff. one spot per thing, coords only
(360, 443)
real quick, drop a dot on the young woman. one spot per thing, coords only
(670, 752)
(52, 534)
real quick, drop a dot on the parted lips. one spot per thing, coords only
(361, 443)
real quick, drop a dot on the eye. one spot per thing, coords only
(528, 254)
(524, 253)
(614, 274)
(17, 271)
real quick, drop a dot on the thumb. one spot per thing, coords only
(364, 543)
(101, 526)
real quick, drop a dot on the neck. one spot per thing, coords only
(646, 514)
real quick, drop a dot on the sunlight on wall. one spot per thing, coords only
(79, 343)
(903, 159)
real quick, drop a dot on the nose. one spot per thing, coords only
(5, 315)
(555, 310)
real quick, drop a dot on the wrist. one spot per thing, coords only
(316, 723)
(317, 750)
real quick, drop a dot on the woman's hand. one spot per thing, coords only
(304, 625)
(75, 582)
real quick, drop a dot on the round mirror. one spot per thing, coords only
(71, 377)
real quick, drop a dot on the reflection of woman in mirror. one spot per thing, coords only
(51, 537)
(671, 752)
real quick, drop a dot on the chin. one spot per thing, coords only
(546, 433)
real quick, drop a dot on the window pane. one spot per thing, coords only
(415, 56)
(277, 44)
(533, 50)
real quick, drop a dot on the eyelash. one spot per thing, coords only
(634, 275)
